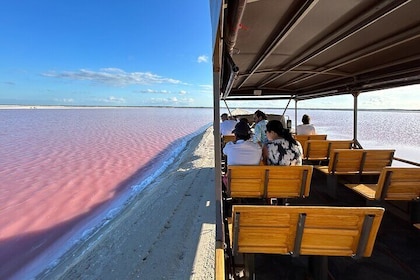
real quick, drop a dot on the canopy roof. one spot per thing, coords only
(308, 49)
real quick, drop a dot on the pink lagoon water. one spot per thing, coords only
(377, 129)
(59, 168)
(399, 130)
(66, 172)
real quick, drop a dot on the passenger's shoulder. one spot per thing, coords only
(230, 143)
(252, 143)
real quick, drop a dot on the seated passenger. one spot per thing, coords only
(305, 128)
(245, 120)
(281, 148)
(227, 125)
(260, 119)
(242, 151)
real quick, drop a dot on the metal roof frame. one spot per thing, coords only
(315, 48)
(306, 49)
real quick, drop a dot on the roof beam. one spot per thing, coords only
(370, 17)
(282, 34)
(380, 46)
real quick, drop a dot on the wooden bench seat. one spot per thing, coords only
(397, 189)
(305, 230)
(303, 138)
(262, 181)
(320, 150)
(228, 138)
(224, 140)
(354, 163)
(394, 183)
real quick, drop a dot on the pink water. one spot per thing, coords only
(61, 167)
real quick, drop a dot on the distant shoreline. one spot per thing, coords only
(33, 107)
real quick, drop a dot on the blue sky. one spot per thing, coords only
(120, 53)
(105, 53)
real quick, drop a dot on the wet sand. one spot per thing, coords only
(168, 232)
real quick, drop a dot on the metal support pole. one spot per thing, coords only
(227, 107)
(296, 115)
(217, 160)
(355, 109)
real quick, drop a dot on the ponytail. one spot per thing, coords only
(288, 136)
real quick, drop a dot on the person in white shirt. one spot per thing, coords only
(242, 151)
(227, 125)
(305, 128)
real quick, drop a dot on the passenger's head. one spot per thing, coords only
(306, 119)
(242, 131)
(245, 120)
(259, 116)
(275, 126)
(224, 117)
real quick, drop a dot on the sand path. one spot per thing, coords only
(166, 233)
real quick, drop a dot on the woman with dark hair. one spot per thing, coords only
(281, 148)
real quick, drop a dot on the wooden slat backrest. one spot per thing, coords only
(316, 149)
(305, 230)
(321, 149)
(262, 181)
(303, 138)
(376, 160)
(340, 144)
(345, 161)
(288, 181)
(359, 161)
(268, 229)
(228, 138)
(398, 183)
(246, 181)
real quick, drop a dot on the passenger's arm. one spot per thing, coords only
(265, 154)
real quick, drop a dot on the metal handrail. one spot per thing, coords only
(407, 161)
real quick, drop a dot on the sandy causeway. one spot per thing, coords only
(168, 232)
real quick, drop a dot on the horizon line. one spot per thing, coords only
(20, 106)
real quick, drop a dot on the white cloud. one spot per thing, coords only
(206, 89)
(164, 91)
(170, 101)
(113, 76)
(202, 58)
(396, 98)
(374, 101)
(188, 100)
(154, 91)
(159, 101)
(112, 99)
(64, 100)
